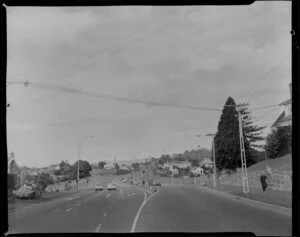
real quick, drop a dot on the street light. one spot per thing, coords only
(79, 148)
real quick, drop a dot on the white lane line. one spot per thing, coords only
(105, 214)
(107, 196)
(55, 210)
(98, 228)
(68, 209)
(140, 209)
(122, 194)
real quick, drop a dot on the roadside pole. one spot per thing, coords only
(93, 177)
(243, 156)
(214, 157)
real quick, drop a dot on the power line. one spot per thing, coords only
(264, 77)
(105, 48)
(268, 113)
(110, 97)
(131, 100)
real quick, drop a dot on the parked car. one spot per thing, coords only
(111, 186)
(98, 187)
(26, 192)
(157, 184)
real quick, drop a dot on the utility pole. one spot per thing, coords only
(214, 158)
(243, 156)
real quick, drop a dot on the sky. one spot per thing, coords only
(178, 55)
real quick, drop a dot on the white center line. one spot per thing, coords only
(108, 195)
(68, 209)
(105, 214)
(55, 210)
(98, 228)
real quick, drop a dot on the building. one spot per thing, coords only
(197, 171)
(285, 118)
(12, 166)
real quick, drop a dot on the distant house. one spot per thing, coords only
(124, 167)
(109, 166)
(181, 165)
(285, 118)
(197, 171)
(174, 171)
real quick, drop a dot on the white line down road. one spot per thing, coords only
(140, 209)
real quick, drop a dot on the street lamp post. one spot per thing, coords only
(79, 148)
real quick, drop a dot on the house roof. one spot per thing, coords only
(289, 101)
(279, 119)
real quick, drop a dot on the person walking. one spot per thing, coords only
(263, 181)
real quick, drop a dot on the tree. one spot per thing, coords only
(278, 142)
(84, 169)
(136, 166)
(252, 133)
(227, 143)
(117, 167)
(44, 179)
(101, 164)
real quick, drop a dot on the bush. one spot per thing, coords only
(278, 142)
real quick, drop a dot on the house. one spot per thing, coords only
(285, 118)
(197, 171)
(109, 166)
(174, 171)
(124, 167)
(12, 166)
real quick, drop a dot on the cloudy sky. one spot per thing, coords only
(195, 56)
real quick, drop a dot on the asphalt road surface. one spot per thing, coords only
(129, 209)
(194, 209)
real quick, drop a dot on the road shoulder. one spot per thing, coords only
(277, 208)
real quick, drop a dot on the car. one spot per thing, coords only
(157, 184)
(111, 186)
(25, 192)
(98, 188)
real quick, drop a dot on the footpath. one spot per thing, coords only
(278, 198)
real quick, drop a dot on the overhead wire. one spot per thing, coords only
(130, 100)
(110, 97)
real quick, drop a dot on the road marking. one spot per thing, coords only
(108, 195)
(55, 210)
(105, 214)
(68, 209)
(140, 209)
(122, 194)
(98, 228)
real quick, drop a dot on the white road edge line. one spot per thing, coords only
(140, 209)
(98, 228)
(68, 209)
(122, 194)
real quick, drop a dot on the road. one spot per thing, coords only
(183, 208)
